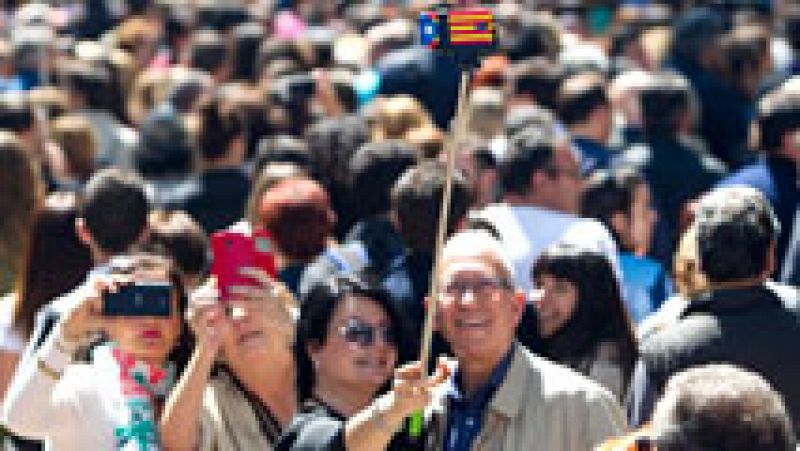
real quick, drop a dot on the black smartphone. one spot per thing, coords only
(139, 299)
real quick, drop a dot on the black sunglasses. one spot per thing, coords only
(365, 334)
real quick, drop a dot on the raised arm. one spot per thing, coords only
(374, 427)
(43, 392)
(180, 421)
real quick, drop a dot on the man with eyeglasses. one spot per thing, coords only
(502, 396)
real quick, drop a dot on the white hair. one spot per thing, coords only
(477, 243)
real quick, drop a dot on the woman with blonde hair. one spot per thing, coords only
(223, 401)
(78, 142)
(396, 116)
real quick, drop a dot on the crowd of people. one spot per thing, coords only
(621, 267)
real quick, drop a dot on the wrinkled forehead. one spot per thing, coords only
(484, 264)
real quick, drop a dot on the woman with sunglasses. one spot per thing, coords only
(348, 340)
(114, 402)
(238, 390)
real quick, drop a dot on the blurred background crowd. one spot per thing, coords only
(593, 132)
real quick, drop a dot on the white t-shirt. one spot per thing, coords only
(10, 339)
(526, 231)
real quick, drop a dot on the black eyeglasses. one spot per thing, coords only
(365, 334)
(480, 287)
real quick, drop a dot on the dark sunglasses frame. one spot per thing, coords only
(364, 334)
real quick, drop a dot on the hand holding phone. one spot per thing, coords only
(232, 251)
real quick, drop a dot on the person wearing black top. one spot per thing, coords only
(347, 346)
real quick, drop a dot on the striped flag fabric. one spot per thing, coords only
(470, 27)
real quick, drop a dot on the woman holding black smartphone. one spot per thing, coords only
(115, 401)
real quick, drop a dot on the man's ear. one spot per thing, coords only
(394, 219)
(519, 305)
(770, 262)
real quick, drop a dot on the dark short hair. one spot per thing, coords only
(163, 149)
(735, 228)
(417, 201)
(16, 114)
(298, 214)
(275, 49)
(530, 150)
(610, 192)
(115, 207)
(579, 96)
(208, 51)
(721, 406)
(283, 149)
(539, 78)
(91, 80)
(247, 38)
(375, 167)
(316, 311)
(332, 143)
(664, 101)
(219, 126)
(778, 113)
(177, 235)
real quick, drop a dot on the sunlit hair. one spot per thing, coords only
(477, 243)
(721, 407)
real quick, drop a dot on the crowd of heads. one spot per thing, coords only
(143, 126)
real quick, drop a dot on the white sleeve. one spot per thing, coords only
(37, 400)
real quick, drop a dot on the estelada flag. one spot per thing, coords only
(429, 29)
(470, 27)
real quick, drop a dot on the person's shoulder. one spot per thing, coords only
(756, 175)
(685, 336)
(559, 381)
(646, 267)
(635, 155)
(788, 294)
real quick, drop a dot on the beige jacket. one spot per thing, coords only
(228, 422)
(542, 406)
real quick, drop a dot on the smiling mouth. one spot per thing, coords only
(151, 334)
(471, 323)
(247, 336)
(375, 364)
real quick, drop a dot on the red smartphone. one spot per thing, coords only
(232, 251)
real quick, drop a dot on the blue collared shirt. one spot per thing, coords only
(465, 414)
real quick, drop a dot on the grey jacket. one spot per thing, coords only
(541, 406)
